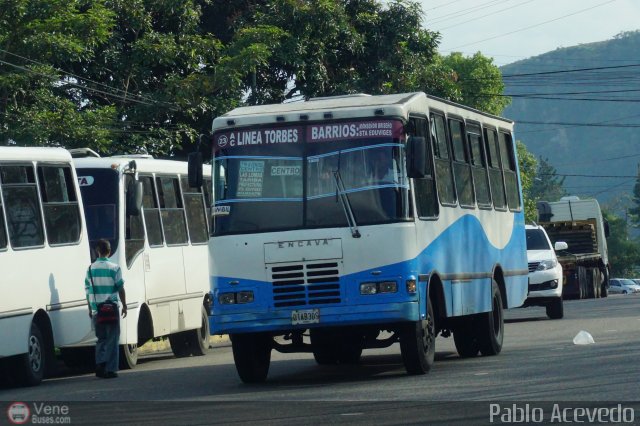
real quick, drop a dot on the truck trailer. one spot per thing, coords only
(585, 262)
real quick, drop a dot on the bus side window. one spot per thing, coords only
(151, 212)
(426, 197)
(444, 174)
(60, 204)
(495, 173)
(174, 223)
(196, 213)
(461, 166)
(3, 232)
(478, 166)
(22, 204)
(134, 231)
(509, 169)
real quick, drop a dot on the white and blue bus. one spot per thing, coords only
(363, 221)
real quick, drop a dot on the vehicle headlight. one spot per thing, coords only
(368, 288)
(547, 264)
(244, 297)
(227, 298)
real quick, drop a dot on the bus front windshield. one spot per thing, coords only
(293, 185)
(99, 188)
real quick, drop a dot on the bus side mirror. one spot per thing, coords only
(606, 228)
(134, 198)
(417, 166)
(195, 169)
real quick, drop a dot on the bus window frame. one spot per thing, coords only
(483, 159)
(75, 190)
(513, 167)
(430, 159)
(185, 189)
(467, 160)
(489, 128)
(151, 176)
(39, 199)
(449, 158)
(3, 223)
(179, 199)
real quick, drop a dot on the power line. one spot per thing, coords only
(536, 25)
(82, 86)
(588, 176)
(483, 16)
(560, 123)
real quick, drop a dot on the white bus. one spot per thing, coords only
(349, 216)
(158, 229)
(44, 254)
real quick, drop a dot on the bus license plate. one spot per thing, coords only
(307, 316)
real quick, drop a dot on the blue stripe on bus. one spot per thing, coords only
(466, 297)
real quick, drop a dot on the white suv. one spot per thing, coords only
(545, 272)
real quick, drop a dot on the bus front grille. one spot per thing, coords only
(306, 284)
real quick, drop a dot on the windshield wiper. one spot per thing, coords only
(346, 205)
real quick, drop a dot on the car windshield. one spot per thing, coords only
(628, 282)
(273, 179)
(536, 240)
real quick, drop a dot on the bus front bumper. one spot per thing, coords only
(282, 320)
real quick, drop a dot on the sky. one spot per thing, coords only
(511, 30)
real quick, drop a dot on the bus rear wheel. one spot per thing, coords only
(491, 325)
(30, 366)
(417, 344)
(252, 355)
(192, 342)
(464, 337)
(128, 357)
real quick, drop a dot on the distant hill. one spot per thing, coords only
(582, 150)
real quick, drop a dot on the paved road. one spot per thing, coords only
(539, 364)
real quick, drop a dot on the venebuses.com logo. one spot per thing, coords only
(18, 413)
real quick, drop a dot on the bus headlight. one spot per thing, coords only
(244, 297)
(368, 288)
(388, 287)
(411, 286)
(227, 298)
(379, 287)
(236, 298)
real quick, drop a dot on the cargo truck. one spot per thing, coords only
(585, 262)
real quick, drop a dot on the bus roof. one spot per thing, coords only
(144, 165)
(348, 107)
(21, 153)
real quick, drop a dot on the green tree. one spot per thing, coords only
(634, 212)
(547, 185)
(477, 80)
(118, 75)
(624, 253)
(39, 104)
(527, 164)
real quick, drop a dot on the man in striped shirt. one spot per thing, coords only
(104, 282)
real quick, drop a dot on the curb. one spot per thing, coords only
(163, 344)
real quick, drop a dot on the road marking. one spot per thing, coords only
(352, 414)
(480, 374)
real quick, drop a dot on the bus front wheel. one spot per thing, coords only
(252, 355)
(417, 344)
